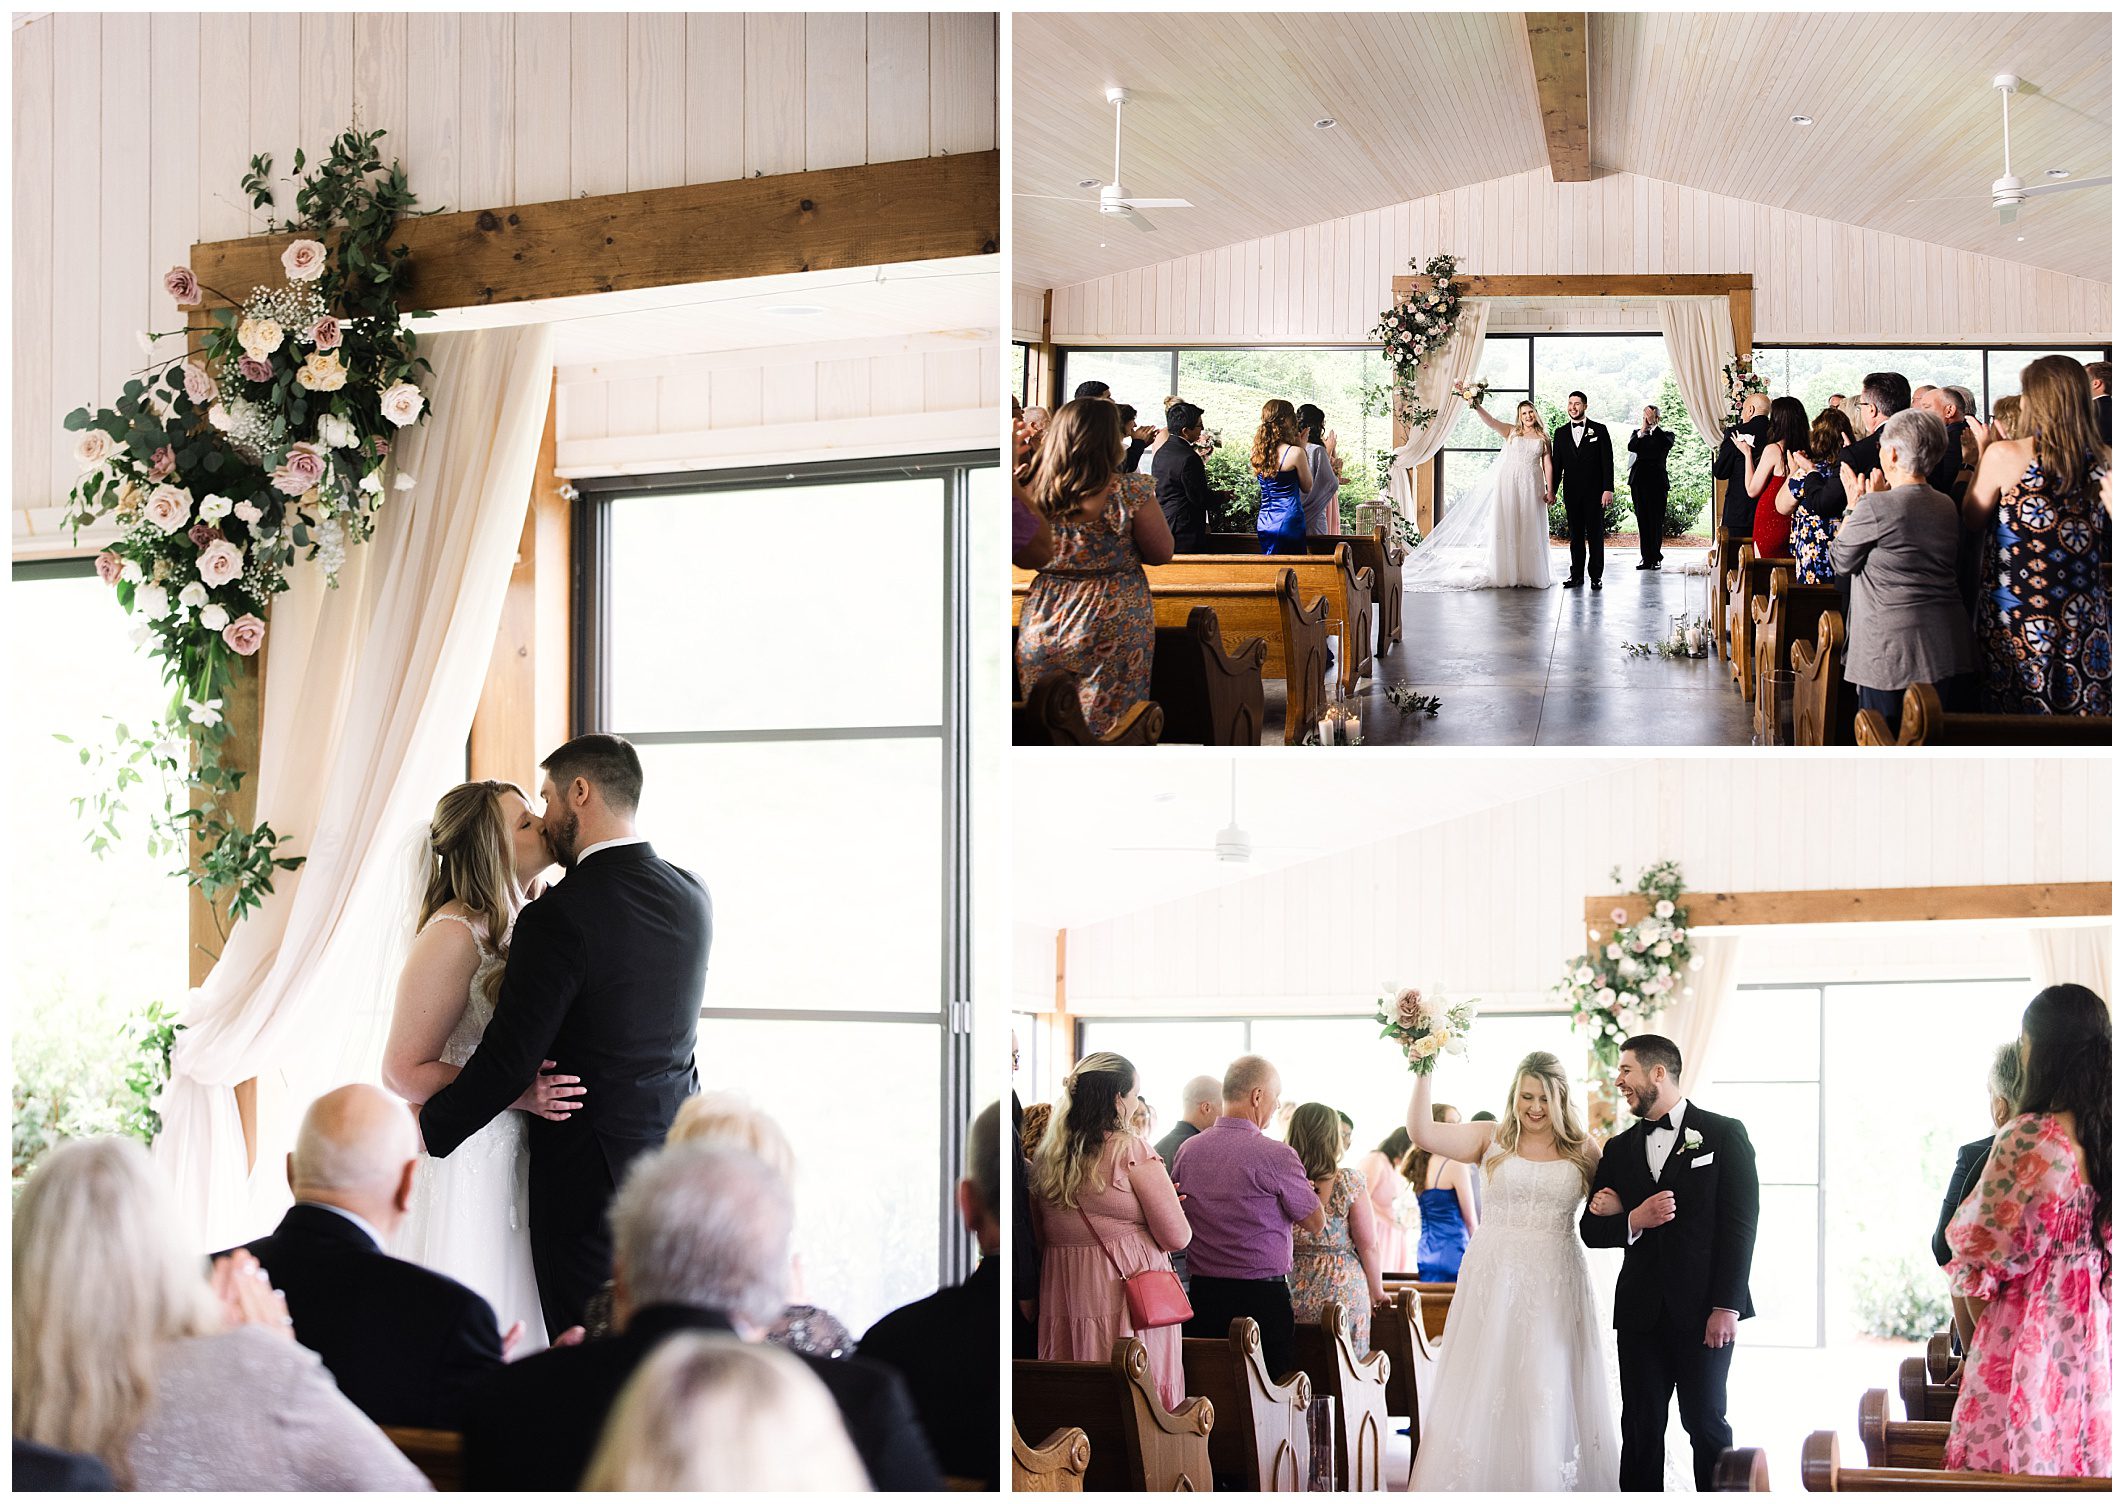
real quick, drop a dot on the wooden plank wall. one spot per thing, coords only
(123, 161)
(1025, 312)
(1816, 279)
(1492, 904)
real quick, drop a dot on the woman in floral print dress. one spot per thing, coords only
(2043, 630)
(1089, 610)
(2031, 1251)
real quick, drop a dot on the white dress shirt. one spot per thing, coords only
(590, 851)
(1578, 432)
(1660, 1142)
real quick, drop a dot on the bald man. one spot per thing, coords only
(404, 1343)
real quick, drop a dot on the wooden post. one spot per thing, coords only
(1426, 497)
(1742, 302)
(1050, 374)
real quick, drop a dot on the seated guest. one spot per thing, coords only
(47, 1470)
(1245, 1193)
(700, 1244)
(1898, 544)
(1737, 512)
(1445, 1202)
(2098, 387)
(710, 1414)
(1338, 1265)
(2032, 1260)
(1285, 477)
(1183, 481)
(1322, 516)
(942, 1344)
(1381, 1169)
(1089, 609)
(1104, 1209)
(2043, 628)
(2005, 1082)
(1814, 498)
(405, 1343)
(124, 1353)
(1781, 453)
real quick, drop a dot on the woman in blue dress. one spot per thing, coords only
(1285, 475)
(1446, 1201)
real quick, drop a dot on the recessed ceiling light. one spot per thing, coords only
(2020, 237)
(1324, 123)
(2057, 172)
(794, 310)
(1803, 120)
(1089, 183)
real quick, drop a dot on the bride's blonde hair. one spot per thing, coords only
(1519, 423)
(1564, 1122)
(470, 857)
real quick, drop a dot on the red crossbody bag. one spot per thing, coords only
(1155, 1297)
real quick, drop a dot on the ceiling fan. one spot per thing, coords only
(1113, 197)
(2008, 192)
(1231, 844)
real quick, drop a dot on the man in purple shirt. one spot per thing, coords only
(1243, 1192)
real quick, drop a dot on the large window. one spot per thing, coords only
(1021, 372)
(804, 738)
(1815, 373)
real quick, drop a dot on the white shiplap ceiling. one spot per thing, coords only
(1222, 110)
(1080, 822)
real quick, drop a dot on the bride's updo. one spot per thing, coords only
(469, 859)
(1564, 1121)
(1086, 1114)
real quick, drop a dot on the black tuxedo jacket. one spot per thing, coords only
(1585, 470)
(404, 1343)
(1864, 457)
(1648, 458)
(535, 1424)
(1730, 464)
(1698, 1263)
(1969, 1162)
(941, 1345)
(47, 1470)
(2101, 407)
(1183, 494)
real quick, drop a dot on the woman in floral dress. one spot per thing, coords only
(1089, 610)
(1340, 1263)
(1815, 498)
(2043, 630)
(2031, 1261)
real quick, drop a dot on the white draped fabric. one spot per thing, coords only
(1699, 335)
(2072, 953)
(1452, 366)
(370, 692)
(1693, 1023)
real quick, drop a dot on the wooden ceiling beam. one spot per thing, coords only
(1591, 285)
(932, 208)
(1563, 84)
(1872, 905)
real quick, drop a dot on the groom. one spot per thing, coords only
(605, 976)
(1585, 475)
(1678, 1193)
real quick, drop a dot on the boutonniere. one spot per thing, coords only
(1691, 1140)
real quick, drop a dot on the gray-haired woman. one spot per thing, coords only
(2004, 1082)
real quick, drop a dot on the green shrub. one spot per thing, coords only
(70, 1082)
(1901, 1296)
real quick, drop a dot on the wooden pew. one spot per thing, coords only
(1723, 556)
(1436, 1298)
(1786, 613)
(1358, 1387)
(1822, 1472)
(1940, 1361)
(1922, 1382)
(1824, 705)
(1741, 1470)
(1927, 723)
(1246, 608)
(1898, 1443)
(1259, 1442)
(1376, 551)
(1412, 1363)
(1748, 580)
(1334, 576)
(440, 1455)
(1209, 696)
(1051, 715)
(1055, 1466)
(1137, 1445)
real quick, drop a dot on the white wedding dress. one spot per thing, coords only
(1522, 1389)
(471, 1211)
(1496, 535)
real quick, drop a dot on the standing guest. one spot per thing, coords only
(1778, 455)
(1446, 1204)
(1183, 482)
(1245, 1193)
(1649, 445)
(1032, 543)
(1737, 513)
(1036, 420)
(2004, 1083)
(1814, 497)
(1285, 475)
(1089, 610)
(1885, 394)
(1951, 407)
(1201, 1100)
(2043, 626)
(1138, 438)
(2006, 419)
(1381, 1169)
(1837, 401)
(1322, 515)
(2098, 385)
(2032, 1260)
(1105, 1210)
(1092, 391)
(1032, 1127)
(1340, 1263)
(173, 1382)
(937, 1341)
(1025, 1235)
(1898, 543)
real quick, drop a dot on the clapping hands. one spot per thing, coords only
(246, 1295)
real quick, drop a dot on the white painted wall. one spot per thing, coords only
(1492, 905)
(1027, 310)
(1816, 280)
(131, 131)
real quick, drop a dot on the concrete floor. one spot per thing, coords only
(1547, 668)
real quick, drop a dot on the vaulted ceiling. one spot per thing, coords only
(1222, 110)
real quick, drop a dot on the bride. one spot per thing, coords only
(1498, 533)
(1522, 1391)
(469, 1216)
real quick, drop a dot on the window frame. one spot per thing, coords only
(1983, 353)
(590, 706)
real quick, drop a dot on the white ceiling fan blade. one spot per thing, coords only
(1155, 203)
(1060, 198)
(1139, 222)
(2068, 187)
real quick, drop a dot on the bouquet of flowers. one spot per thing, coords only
(1210, 442)
(1634, 971)
(1423, 1029)
(1741, 379)
(1414, 327)
(1471, 394)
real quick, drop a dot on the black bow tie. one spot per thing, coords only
(1666, 1122)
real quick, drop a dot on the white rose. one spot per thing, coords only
(402, 403)
(1629, 967)
(212, 617)
(303, 261)
(1583, 975)
(132, 573)
(1664, 949)
(1605, 997)
(259, 337)
(169, 508)
(1625, 1000)
(218, 415)
(140, 634)
(214, 508)
(1663, 909)
(92, 448)
(248, 512)
(335, 432)
(1615, 952)
(193, 596)
(403, 483)
(152, 601)
(371, 483)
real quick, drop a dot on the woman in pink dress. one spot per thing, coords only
(1095, 1182)
(1382, 1186)
(2031, 1260)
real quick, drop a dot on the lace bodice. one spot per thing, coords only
(479, 1005)
(1526, 1195)
(1524, 451)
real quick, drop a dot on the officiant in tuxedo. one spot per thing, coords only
(1678, 1193)
(605, 976)
(1585, 478)
(1649, 445)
